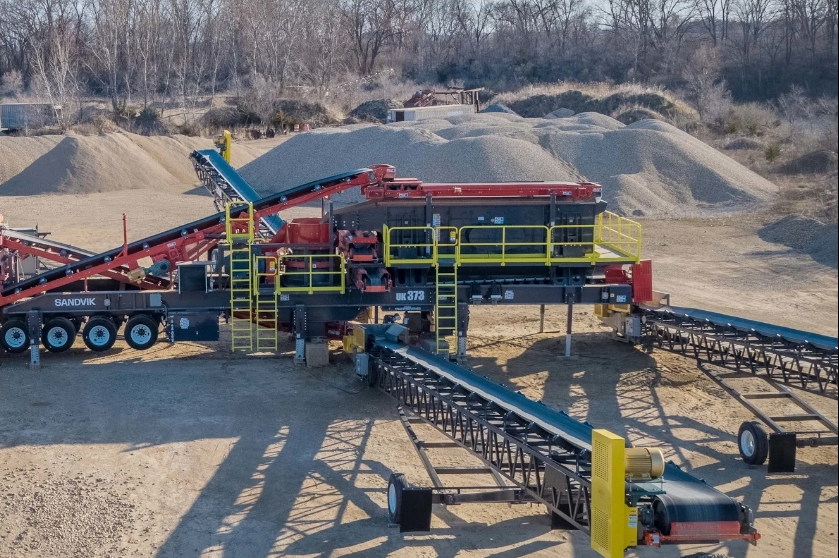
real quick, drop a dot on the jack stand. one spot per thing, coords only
(33, 323)
(461, 356)
(299, 350)
(300, 330)
(568, 328)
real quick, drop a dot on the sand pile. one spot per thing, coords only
(105, 163)
(414, 151)
(647, 168)
(818, 240)
(18, 153)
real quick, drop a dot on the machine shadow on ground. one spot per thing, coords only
(298, 478)
(307, 471)
(626, 390)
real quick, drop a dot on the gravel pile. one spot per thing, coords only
(496, 107)
(647, 168)
(414, 151)
(375, 111)
(103, 163)
(818, 240)
(18, 153)
(561, 112)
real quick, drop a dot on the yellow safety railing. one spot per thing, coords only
(504, 251)
(421, 252)
(264, 267)
(438, 242)
(316, 268)
(619, 234)
(611, 239)
(238, 228)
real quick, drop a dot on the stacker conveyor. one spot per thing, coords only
(185, 243)
(226, 186)
(589, 479)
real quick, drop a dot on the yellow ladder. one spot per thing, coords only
(266, 327)
(445, 300)
(266, 304)
(240, 235)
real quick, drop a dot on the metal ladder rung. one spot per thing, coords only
(766, 395)
(791, 418)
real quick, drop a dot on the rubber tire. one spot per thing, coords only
(395, 485)
(95, 323)
(141, 320)
(11, 324)
(70, 332)
(753, 435)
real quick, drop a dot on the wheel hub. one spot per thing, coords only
(15, 337)
(140, 334)
(747, 443)
(391, 498)
(99, 335)
(57, 337)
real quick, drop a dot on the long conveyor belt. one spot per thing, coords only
(784, 354)
(186, 242)
(546, 452)
(55, 251)
(226, 186)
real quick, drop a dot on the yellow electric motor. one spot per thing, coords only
(644, 463)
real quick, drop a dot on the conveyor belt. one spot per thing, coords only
(541, 450)
(59, 248)
(784, 354)
(226, 185)
(195, 232)
(769, 330)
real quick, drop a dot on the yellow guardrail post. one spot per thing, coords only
(309, 273)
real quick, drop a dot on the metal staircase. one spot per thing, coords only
(240, 235)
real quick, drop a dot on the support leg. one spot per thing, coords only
(568, 328)
(33, 323)
(462, 328)
(542, 318)
(300, 332)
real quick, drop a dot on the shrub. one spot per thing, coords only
(772, 151)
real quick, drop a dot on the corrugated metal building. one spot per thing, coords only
(22, 116)
(424, 113)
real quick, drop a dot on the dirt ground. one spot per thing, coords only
(188, 450)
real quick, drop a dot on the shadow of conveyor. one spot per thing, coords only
(613, 385)
(296, 479)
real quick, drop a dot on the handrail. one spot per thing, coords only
(271, 271)
(613, 239)
(310, 272)
(429, 248)
(234, 232)
(503, 257)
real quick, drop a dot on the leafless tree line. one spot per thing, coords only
(141, 52)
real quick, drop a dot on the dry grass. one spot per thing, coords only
(615, 97)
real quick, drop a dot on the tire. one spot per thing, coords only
(58, 335)
(753, 443)
(99, 333)
(395, 485)
(14, 336)
(141, 332)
